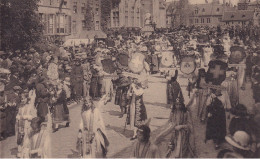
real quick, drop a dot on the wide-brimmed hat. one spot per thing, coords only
(239, 140)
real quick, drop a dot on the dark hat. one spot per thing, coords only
(36, 124)
(239, 110)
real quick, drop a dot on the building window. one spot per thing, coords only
(84, 26)
(196, 20)
(202, 20)
(217, 9)
(97, 25)
(83, 8)
(191, 21)
(116, 19)
(50, 2)
(232, 16)
(208, 20)
(126, 21)
(97, 11)
(51, 24)
(227, 23)
(74, 27)
(61, 25)
(203, 10)
(220, 19)
(243, 15)
(75, 10)
(196, 11)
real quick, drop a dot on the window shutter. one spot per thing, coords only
(69, 24)
(55, 23)
(48, 23)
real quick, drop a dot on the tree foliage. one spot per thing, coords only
(89, 17)
(20, 24)
(105, 14)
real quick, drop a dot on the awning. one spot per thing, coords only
(98, 34)
(77, 42)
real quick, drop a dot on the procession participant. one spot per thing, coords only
(136, 115)
(123, 84)
(241, 74)
(60, 110)
(42, 97)
(200, 95)
(232, 86)
(179, 130)
(107, 73)
(2, 112)
(143, 148)
(66, 86)
(92, 139)
(39, 143)
(240, 121)
(171, 85)
(53, 73)
(87, 78)
(24, 117)
(94, 84)
(13, 101)
(256, 81)
(77, 80)
(216, 119)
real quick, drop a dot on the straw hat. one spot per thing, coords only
(239, 140)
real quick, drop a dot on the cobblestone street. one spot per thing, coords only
(64, 140)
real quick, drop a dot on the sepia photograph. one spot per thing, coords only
(130, 79)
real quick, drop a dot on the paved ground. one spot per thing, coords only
(64, 140)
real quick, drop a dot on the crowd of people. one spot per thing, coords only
(37, 87)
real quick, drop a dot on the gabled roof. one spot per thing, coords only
(208, 9)
(239, 15)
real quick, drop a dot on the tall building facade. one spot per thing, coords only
(85, 16)
(65, 19)
(131, 13)
(209, 14)
(126, 13)
(56, 18)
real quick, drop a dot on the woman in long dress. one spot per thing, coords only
(92, 139)
(178, 131)
(24, 117)
(137, 112)
(38, 144)
(200, 95)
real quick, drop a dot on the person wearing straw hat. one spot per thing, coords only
(240, 143)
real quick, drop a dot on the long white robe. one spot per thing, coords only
(98, 127)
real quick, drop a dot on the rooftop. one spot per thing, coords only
(240, 15)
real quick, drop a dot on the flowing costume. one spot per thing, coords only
(94, 138)
(137, 112)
